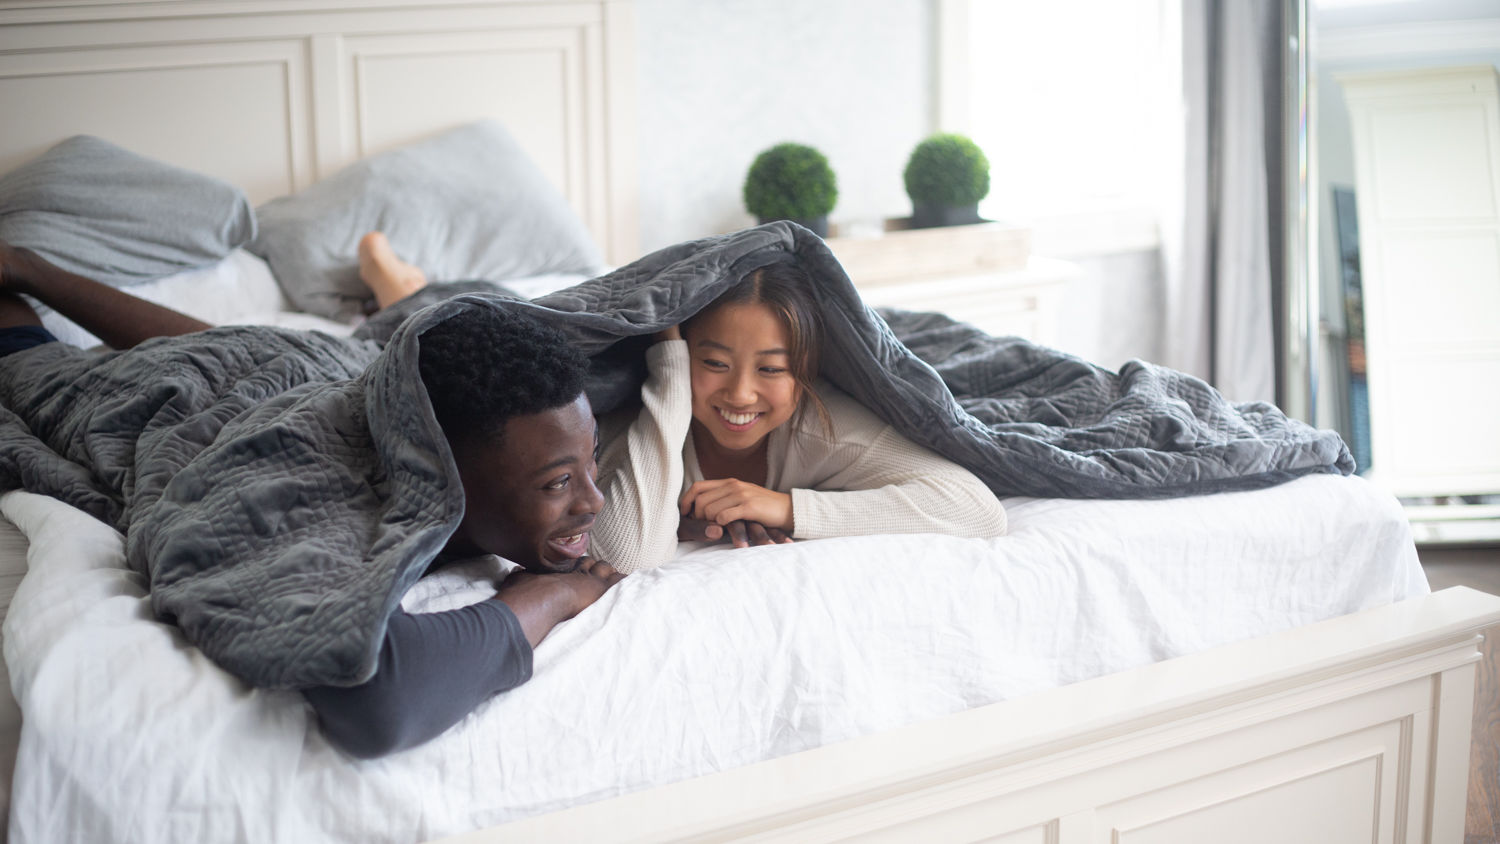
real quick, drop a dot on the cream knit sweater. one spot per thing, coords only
(864, 479)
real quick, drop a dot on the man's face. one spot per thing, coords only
(532, 498)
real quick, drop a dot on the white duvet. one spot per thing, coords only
(721, 658)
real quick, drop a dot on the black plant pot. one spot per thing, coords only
(818, 225)
(925, 215)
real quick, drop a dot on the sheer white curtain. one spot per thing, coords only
(1104, 119)
(1218, 234)
(1068, 100)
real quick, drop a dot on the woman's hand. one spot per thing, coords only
(741, 533)
(671, 332)
(731, 499)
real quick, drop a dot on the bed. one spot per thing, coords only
(1266, 664)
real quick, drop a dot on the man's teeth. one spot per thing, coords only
(569, 540)
(737, 418)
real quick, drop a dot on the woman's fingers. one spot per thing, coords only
(703, 494)
(730, 499)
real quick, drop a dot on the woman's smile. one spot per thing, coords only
(738, 421)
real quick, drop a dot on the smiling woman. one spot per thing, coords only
(738, 439)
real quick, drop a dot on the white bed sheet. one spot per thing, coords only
(721, 658)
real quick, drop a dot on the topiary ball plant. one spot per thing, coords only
(794, 182)
(946, 177)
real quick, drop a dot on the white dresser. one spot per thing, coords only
(982, 274)
(1427, 163)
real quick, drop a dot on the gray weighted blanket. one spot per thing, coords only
(283, 489)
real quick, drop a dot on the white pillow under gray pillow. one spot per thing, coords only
(465, 205)
(109, 214)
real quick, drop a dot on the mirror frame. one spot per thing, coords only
(1297, 378)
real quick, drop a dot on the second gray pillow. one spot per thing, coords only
(467, 204)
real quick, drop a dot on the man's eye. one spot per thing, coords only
(560, 483)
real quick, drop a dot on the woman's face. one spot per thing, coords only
(742, 386)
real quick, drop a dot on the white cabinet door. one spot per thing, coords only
(1427, 161)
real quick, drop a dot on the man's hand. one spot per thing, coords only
(542, 601)
(731, 499)
(671, 332)
(741, 533)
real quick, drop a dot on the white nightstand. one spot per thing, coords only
(980, 274)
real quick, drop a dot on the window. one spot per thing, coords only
(1076, 104)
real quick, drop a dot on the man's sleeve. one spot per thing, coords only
(434, 669)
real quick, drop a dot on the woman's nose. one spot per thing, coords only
(742, 388)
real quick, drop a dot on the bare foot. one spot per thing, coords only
(388, 277)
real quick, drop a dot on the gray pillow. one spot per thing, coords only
(114, 216)
(465, 205)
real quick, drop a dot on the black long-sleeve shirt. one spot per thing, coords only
(434, 669)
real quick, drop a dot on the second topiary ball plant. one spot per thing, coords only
(792, 182)
(946, 177)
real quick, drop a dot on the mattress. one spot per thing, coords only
(721, 658)
(12, 569)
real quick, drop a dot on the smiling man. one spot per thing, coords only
(525, 445)
(507, 392)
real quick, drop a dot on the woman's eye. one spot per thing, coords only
(773, 370)
(715, 364)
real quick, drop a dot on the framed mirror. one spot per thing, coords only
(1403, 251)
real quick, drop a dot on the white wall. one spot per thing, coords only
(721, 80)
(1113, 311)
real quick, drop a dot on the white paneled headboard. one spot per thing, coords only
(272, 95)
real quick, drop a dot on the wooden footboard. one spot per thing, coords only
(1356, 729)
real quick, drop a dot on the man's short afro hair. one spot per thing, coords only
(485, 365)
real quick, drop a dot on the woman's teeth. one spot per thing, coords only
(738, 418)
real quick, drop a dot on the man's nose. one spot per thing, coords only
(589, 498)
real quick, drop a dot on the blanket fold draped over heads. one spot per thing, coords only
(283, 489)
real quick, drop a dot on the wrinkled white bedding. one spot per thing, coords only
(721, 658)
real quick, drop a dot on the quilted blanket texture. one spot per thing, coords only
(282, 489)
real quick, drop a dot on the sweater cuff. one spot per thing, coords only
(666, 352)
